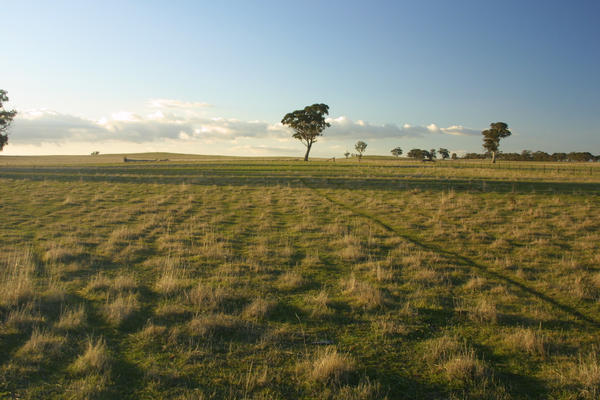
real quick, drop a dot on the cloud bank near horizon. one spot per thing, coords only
(181, 121)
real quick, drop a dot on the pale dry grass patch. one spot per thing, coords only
(428, 276)
(329, 366)
(363, 292)
(120, 308)
(526, 340)
(62, 252)
(484, 310)
(92, 386)
(72, 318)
(124, 282)
(206, 296)
(588, 374)
(389, 328)
(41, 346)
(151, 332)
(465, 367)
(320, 303)
(95, 359)
(259, 308)
(351, 252)
(24, 317)
(311, 259)
(172, 280)
(17, 280)
(214, 246)
(99, 282)
(215, 325)
(365, 390)
(441, 349)
(290, 280)
(475, 283)
(380, 272)
(583, 373)
(170, 310)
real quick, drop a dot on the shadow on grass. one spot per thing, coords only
(368, 179)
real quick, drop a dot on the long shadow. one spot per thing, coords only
(462, 260)
(325, 178)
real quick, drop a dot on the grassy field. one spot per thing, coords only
(199, 278)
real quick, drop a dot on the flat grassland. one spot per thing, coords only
(200, 278)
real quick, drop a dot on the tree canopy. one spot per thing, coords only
(6, 117)
(360, 147)
(308, 124)
(418, 154)
(396, 151)
(444, 153)
(492, 136)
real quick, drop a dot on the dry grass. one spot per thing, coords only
(587, 374)
(170, 310)
(41, 346)
(24, 317)
(189, 272)
(172, 280)
(72, 318)
(330, 366)
(99, 282)
(441, 349)
(215, 325)
(259, 308)
(92, 386)
(207, 297)
(465, 367)
(17, 280)
(290, 280)
(364, 293)
(484, 311)
(320, 303)
(475, 283)
(122, 283)
(527, 340)
(120, 308)
(95, 359)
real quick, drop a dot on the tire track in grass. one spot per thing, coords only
(461, 260)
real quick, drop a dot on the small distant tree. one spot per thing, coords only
(417, 154)
(454, 156)
(492, 136)
(526, 155)
(431, 154)
(444, 153)
(308, 124)
(397, 151)
(360, 147)
(347, 154)
(6, 117)
(95, 153)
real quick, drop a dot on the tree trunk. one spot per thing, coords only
(493, 157)
(308, 146)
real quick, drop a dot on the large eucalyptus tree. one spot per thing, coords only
(308, 124)
(492, 136)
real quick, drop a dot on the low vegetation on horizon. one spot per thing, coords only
(252, 279)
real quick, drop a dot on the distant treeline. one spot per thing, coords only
(527, 155)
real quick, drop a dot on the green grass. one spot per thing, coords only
(207, 277)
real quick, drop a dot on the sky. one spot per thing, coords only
(208, 77)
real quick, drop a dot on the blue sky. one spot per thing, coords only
(217, 77)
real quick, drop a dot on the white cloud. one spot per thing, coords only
(459, 130)
(343, 126)
(184, 123)
(46, 126)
